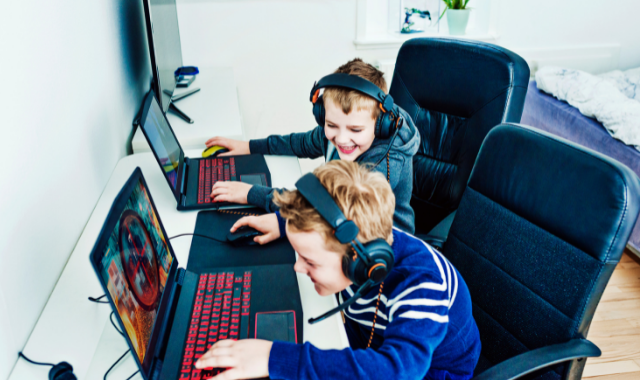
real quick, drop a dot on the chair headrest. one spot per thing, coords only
(583, 197)
(446, 74)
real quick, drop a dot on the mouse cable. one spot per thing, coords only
(132, 375)
(114, 364)
(20, 354)
(199, 235)
(97, 300)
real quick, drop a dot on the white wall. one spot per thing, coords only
(594, 35)
(278, 48)
(74, 74)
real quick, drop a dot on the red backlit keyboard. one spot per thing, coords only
(220, 311)
(213, 170)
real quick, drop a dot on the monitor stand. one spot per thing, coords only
(178, 97)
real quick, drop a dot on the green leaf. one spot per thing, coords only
(445, 9)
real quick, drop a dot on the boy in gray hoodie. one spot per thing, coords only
(348, 133)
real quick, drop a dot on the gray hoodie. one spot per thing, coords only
(314, 144)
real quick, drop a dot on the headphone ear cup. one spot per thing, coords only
(384, 125)
(318, 111)
(345, 266)
(357, 271)
(62, 371)
(381, 260)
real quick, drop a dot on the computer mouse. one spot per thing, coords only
(214, 151)
(243, 236)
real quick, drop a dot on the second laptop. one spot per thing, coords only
(191, 180)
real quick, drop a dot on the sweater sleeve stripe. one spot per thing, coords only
(413, 314)
(364, 301)
(418, 302)
(425, 285)
(366, 323)
(368, 310)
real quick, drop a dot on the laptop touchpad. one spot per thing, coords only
(254, 179)
(276, 326)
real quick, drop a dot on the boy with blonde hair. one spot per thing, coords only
(417, 324)
(350, 131)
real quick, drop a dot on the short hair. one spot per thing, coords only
(348, 99)
(364, 196)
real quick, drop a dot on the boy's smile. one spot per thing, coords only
(352, 134)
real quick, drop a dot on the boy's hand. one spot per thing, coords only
(244, 359)
(267, 224)
(230, 191)
(236, 147)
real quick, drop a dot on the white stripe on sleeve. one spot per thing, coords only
(413, 314)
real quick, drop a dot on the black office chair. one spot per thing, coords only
(540, 228)
(455, 91)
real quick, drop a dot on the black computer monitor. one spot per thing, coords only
(164, 46)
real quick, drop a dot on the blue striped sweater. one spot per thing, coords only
(424, 328)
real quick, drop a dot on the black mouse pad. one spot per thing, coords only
(206, 253)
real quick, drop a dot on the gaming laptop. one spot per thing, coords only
(191, 179)
(171, 316)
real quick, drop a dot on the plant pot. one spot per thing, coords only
(458, 20)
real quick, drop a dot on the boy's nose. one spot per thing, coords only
(299, 268)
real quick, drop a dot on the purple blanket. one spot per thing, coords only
(549, 114)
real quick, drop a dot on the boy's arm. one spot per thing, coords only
(262, 196)
(405, 354)
(417, 325)
(309, 144)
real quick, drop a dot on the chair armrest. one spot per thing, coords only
(539, 358)
(438, 235)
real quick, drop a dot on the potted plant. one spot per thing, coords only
(457, 16)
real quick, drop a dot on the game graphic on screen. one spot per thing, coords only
(135, 266)
(163, 142)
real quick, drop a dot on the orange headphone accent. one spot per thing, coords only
(382, 108)
(374, 267)
(315, 96)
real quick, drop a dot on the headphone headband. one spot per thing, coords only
(316, 194)
(353, 82)
(386, 121)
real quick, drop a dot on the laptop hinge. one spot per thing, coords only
(184, 176)
(157, 369)
(180, 276)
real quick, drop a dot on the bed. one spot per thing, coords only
(549, 114)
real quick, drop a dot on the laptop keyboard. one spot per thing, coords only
(213, 170)
(220, 311)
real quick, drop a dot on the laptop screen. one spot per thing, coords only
(163, 142)
(134, 264)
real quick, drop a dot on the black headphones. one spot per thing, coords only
(60, 371)
(387, 121)
(370, 263)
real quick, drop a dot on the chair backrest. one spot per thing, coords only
(540, 228)
(455, 91)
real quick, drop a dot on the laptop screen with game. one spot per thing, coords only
(133, 260)
(163, 142)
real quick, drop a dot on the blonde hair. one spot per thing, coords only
(364, 197)
(348, 99)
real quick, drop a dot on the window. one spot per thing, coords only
(379, 22)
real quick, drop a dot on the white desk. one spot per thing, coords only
(214, 109)
(75, 330)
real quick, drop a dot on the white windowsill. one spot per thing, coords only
(391, 41)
